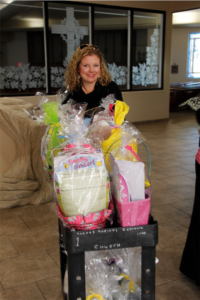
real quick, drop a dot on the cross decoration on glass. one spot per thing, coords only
(71, 32)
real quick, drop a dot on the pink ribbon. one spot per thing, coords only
(116, 126)
(71, 146)
(131, 149)
(88, 146)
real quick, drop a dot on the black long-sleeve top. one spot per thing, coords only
(93, 99)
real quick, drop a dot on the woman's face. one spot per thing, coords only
(89, 69)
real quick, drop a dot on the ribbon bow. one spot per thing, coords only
(94, 296)
(52, 126)
(130, 287)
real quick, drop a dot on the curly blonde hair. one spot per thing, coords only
(72, 77)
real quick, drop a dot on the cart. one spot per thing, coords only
(76, 243)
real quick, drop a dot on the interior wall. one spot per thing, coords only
(179, 54)
(176, 6)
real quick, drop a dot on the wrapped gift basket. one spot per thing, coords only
(102, 199)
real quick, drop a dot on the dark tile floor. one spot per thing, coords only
(29, 253)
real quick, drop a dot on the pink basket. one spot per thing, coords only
(133, 213)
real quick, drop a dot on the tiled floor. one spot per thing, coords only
(29, 257)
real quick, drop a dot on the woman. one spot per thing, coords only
(190, 263)
(87, 77)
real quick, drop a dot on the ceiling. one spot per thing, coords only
(189, 18)
(11, 10)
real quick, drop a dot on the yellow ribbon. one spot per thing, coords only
(130, 287)
(52, 126)
(94, 296)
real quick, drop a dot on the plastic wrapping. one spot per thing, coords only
(72, 110)
(126, 135)
(102, 121)
(81, 185)
(127, 150)
(113, 274)
(42, 98)
(53, 136)
(65, 121)
(100, 283)
(127, 263)
(109, 130)
(72, 122)
(121, 109)
(62, 94)
(36, 114)
(131, 130)
(48, 114)
(108, 113)
(81, 181)
(98, 132)
(127, 171)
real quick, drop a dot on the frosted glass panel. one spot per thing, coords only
(68, 29)
(22, 48)
(147, 50)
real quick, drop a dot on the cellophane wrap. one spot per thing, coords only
(57, 118)
(108, 113)
(59, 131)
(113, 274)
(101, 122)
(126, 150)
(81, 181)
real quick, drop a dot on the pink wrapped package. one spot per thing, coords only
(133, 213)
(130, 211)
(95, 220)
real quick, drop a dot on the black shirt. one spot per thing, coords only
(93, 99)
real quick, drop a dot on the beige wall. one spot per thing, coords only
(179, 53)
(152, 105)
(176, 6)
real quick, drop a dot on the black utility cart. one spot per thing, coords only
(77, 242)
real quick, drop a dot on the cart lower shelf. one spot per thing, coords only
(76, 243)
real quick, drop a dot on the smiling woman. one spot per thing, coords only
(87, 77)
(89, 70)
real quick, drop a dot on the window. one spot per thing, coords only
(39, 37)
(194, 56)
(147, 50)
(22, 49)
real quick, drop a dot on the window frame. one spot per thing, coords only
(188, 57)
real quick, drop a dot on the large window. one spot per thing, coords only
(194, 56)
(22, 64)
(39, 37)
